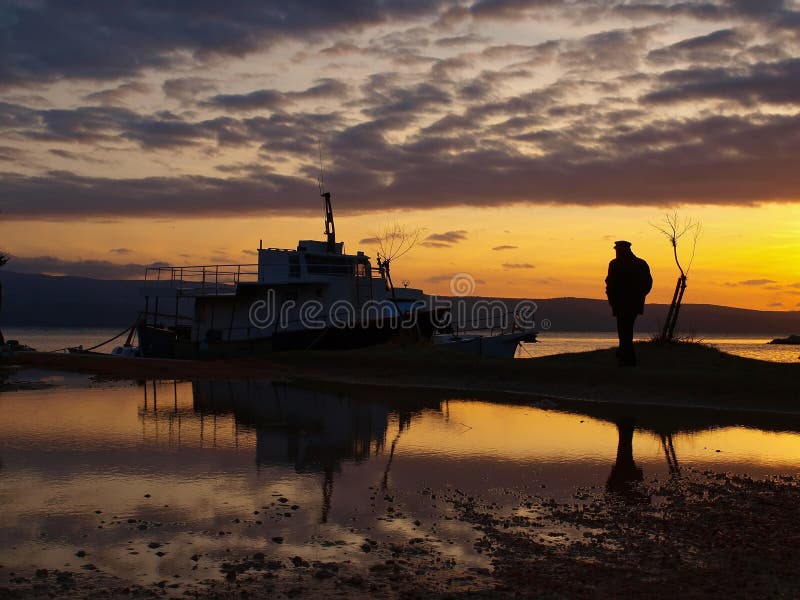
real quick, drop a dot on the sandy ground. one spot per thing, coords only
(699, 535)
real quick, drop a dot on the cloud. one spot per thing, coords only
(117, 94)
(712, 47)
(447, 277)
(370, 241)
(186, 89)
(444, 240)
(509, 9)
(742, 160)
(756, 282)
(341, 49)
(774, 83)
(164, 130)
(11, 154)
(466, 39)
(53, 40)
(270, 99)
(518, 266)
(96, 269)
(617, 49)
(257, 100)
(78, 156)
(121, 251)
(768, 284)
(505, 247)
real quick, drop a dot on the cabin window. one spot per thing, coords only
(329, 265)
(361, 270)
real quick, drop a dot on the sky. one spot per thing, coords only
(519, 137)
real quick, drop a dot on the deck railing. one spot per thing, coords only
(206, 279)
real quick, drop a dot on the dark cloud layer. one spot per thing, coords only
(714, 160)
(764, 82)
(49, 40)
(452, 133)
(96, 269)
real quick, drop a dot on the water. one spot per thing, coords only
(754, 346)
(550, 342)
(59, 338)
(219, 468)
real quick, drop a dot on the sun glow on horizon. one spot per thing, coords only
(746, 257)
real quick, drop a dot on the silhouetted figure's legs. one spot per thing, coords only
(626, 354)
(624, 470)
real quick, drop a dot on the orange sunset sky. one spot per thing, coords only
(522, 137)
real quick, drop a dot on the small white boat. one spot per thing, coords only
(126, 351)
(503, 345)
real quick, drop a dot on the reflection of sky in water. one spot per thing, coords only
(550, 342)
(553, 342)
(219, 457)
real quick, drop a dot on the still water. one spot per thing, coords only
(143, 476)
(550, 342)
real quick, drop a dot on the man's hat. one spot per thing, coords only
(622, 244)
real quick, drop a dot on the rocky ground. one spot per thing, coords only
(702, 534)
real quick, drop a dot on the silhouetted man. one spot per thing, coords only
(627, 285)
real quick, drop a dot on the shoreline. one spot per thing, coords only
(678, 375)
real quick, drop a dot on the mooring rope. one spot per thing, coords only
(108, 341)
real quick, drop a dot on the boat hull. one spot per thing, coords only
(155, 342)
(500, 346)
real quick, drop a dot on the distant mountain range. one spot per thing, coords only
(42, 300)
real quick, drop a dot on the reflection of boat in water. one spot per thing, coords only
(312, 431)
(307, 429)
(499, 344)
(313, 297)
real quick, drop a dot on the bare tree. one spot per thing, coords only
(394, 241)
(4, 258)
(675, 228)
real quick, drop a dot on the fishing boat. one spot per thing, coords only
(790, 340)
(493, 343)
(313, 297)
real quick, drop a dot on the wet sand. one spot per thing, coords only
(702, 534)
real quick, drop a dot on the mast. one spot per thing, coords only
(330, 228)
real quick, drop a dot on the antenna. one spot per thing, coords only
(321, 178)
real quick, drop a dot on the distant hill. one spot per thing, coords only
(584, 314)
(42, 300)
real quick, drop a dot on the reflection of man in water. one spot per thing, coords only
(627, 285)
(624, 472)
